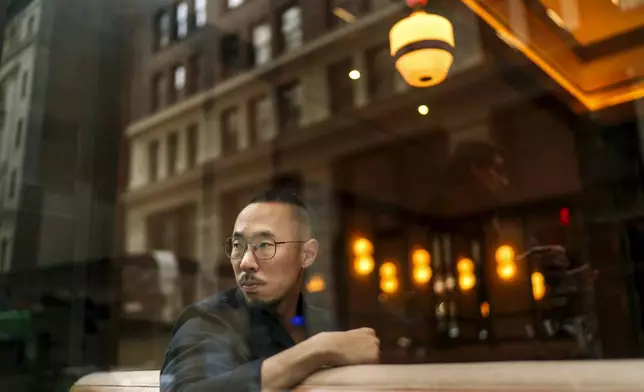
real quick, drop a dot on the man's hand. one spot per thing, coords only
(355, 347)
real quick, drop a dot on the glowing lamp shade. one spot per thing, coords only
(388, 270)
(505, 265)
(422, 45)
(538, 286)
(506, 271)
(465, 265)
(421, 266)
(485, 309)
(364, 265)
(389, 283)
(420, 257)
(362, 247)
(466, 282)
(389, 286)
(504, 254)
(316, 284)
(422, 274)
(466, 277)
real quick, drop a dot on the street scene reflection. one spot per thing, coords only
(477, 193)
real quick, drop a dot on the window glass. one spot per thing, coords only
(472, 172)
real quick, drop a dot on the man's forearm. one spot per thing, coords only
(290, 367)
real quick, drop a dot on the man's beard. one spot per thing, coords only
(262, 303)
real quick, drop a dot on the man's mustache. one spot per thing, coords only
(248, 278)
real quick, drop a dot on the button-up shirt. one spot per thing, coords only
(219, 344)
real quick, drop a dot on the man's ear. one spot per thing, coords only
(310, 250)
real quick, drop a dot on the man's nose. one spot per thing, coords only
(249, 261)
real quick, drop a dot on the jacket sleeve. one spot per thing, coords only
(209, 355)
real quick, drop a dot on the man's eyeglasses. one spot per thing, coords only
(262, 248)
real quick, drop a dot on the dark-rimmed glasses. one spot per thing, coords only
(263, 248)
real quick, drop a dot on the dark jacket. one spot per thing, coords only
(219, 344)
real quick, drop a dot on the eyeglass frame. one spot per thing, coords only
(252, 249)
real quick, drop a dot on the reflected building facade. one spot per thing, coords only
(60, 132)
(505, 178)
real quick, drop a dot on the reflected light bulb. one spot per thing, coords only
(388, 270)
(466, 282)
(504, 254)
(507, 271)
(420, 257)
(389, 286)
(422, 274)
(423, 110)
(364, 265)
(354, 74)
(316, 284)
(362, 247)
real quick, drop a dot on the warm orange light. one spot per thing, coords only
(466, 282)
(389, 286)
(466, 276)
(465, 266)
(421, 270)
(422, 274)
(420, 257)
(506, 268)
(388, 270)
(593, 101)
(364, 265)
(538, 286)
(504, 254)
(422, 66)
(316, 284)
(507, 271)
(485, 309)
(362, 247)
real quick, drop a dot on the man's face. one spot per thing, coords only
(268, 281)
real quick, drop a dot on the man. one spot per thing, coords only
(244, 339)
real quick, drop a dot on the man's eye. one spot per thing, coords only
(265, 244)
(237, 244)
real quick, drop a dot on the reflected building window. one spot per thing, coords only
(19, 128)
(163, 30)
(4, 255)
(31, 26)
(24, 82)
(179, 82)
(192, 143)
(172, 150)
(13, 179)
(153, 161)
(231, 54)
(234, 3)
(158, 91)
(381, 72)
(340, 86)
(292, 28)
(261, 112)
(182, 20)
(262, 50)
(194, 74)
(230, 130)
(201, 12)
(290, 102)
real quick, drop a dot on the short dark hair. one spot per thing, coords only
(280, 195)
(303, 213)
